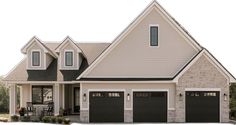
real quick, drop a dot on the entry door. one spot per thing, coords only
(150, 106)
(76, 99)
(106, 106)
(202, 106)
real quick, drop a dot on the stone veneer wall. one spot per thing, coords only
(202, 74)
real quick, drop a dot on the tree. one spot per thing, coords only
(4, 97)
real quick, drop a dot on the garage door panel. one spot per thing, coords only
(202, 106)
(106, 107)
(150, 107)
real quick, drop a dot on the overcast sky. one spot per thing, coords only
(211, 22)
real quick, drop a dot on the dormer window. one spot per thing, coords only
(69, 58)
(35, 58)
(154, 35)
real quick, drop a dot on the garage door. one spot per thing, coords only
(106, 107)
(150, 106)
(202, 106)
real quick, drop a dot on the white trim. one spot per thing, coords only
(63, 96)
(31, 93)
(206, 54)
(73, 58)
(75, 65)
(65, 41)
(41, 82)
(40, 58)
(38, 41)
(32, 40)
(152, 90)
(158, 35)
(204, 89)
(168, 81)
(126, 76)
(72, 95)
(137, 20)
(103, 90)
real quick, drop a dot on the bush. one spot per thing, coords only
(60, 120)
(15, 118)
(67, 121)
(22, 111)
(3, 120)
(53, 119)
(25, 118)
(46, 119)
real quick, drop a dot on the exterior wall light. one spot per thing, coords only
(225, 96)
(128, 96)
(180, 97)
(84, 97)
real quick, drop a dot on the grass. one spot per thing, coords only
(4, 115)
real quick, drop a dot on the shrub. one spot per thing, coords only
(67, 121)
(25, 119)
(60, 120)
(46, 119)
(53, 119)
(3, 120)
(15, 118)
(22, 111)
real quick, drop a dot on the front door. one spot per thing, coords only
(76, 99)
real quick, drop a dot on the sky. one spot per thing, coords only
(211, 22)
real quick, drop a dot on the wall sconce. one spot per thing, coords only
(180, 95)
(84, 97)
(225, 96)
(128, 96)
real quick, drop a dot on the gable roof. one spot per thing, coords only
(33, 40)
(118, 39)
(21, 74)
(213, 60)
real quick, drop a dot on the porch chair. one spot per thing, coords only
(30, 108)
(50, 109)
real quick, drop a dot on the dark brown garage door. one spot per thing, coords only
(202, 106)
(106, 107)
(150, 107)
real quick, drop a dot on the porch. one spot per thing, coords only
(64, 97)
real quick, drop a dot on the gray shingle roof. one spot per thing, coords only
(20, 73)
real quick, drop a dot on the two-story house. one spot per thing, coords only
(154, 71)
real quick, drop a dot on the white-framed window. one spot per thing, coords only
(35, 58)
(69, 58)
(154, 35)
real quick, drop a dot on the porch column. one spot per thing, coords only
(56, 99)
(13, 102)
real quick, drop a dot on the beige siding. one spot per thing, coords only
(128, 88)
(134, 57)
(49, 59)
(76, 58)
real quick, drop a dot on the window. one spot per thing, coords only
(42, 94)
(35, 58)
(154, 35)
(69, 58)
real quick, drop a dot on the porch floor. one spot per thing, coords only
(73, 118)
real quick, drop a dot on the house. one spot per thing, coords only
(154, 71)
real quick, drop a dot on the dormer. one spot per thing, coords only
(38, 55)
(70, 55)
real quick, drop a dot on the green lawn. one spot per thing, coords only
(4, 115)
